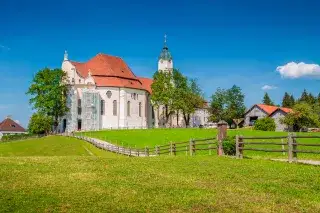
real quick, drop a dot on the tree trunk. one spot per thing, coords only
(177, 118)
(186, 118)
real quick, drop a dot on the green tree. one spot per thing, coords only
(292, 101)
(40, 124)
(303, 116)
(176, 94)
(163, 94)
(267, 100)
(48, 92)
(265, 124)
(227, 104)
(304, 96)
(288, 100)
(318, 99)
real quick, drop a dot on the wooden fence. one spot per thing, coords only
(290, 141)
(189, 147)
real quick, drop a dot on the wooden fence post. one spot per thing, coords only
(146, 151)
(130, 152)
(186, 150)
(290, 148)
(222, 134)
(174, 149)
(191, 147)
(158, 150)
(237, 147)
(294, 149)
(171, 148)
(241, 145)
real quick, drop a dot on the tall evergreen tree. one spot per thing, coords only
(318, 99)
(286, 100)
(311, 99)
(304, 96)
(267, 100)
(292, 101)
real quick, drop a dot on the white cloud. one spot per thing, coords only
(298, 70)
(268, 87)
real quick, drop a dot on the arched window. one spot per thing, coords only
(114, 107)
(139, 109)
(128, 108)
(102, 106)
(79, 106)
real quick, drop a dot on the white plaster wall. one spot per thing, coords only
(121, 120)
(165, 65)
(134, 120)
(71, 72)
(108, 119)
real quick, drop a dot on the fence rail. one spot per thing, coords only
(291, 142)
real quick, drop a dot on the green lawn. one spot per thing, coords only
(51, 146)
(58, 174)
(152, 137)
(158, 184)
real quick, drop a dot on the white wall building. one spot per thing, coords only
(105, 93)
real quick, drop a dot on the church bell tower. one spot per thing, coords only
(165, 62)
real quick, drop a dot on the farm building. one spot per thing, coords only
(9, 127)
(259, 111)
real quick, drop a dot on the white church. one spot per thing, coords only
(105, 94)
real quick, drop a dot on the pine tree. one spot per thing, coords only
(292, 101)
(267, 100)
(286, 101)
(318, 99)
(311, 99)
(304, 96)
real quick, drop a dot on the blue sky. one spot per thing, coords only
(220, 43)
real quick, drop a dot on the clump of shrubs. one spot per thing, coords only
(229, 145)
(265, 124)
(15, 137)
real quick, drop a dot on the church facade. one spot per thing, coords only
(105, 94)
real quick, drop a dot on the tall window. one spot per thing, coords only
(128, 108)
(114, 107)
(102, 105)
(79, 106)
(139, 109)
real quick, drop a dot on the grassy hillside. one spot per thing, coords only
(51, 146)
(158, 184)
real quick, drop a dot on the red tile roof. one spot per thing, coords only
(146, 82)
(111, 71)
(8, 125)
(270, 109)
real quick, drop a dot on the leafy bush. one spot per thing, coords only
(265, 124)
(6, 138)
(40, 124)
(229, 146)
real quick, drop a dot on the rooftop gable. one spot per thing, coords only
(11, 126)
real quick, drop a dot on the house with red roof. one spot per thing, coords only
(259, 111)
(9, 126)
(105, 93)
